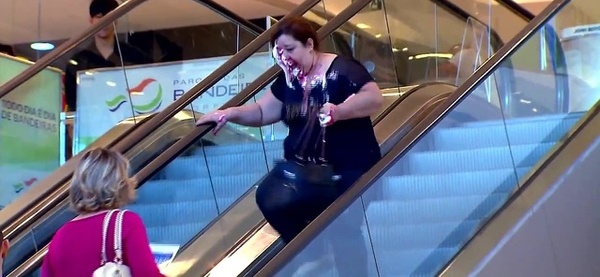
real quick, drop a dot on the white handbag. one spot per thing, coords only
(116, 268)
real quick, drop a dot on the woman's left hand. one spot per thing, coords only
(327, 114)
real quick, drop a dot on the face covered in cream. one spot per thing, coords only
(293, 57)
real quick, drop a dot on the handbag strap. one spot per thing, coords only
(105, 223)
(119, 238)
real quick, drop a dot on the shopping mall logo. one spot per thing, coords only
(18, 187)
(150, 107)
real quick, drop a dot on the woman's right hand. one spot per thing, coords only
(220, 117)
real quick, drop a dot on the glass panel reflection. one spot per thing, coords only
(434, 198)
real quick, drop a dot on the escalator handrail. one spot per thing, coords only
(245, 95)
(405, 144)
(14, 223)
(232, 17)
(517, 9)
(397, 102)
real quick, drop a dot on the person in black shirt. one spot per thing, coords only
(340, 91)
(103, 52)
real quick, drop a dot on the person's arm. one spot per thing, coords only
(367, 101)
(361, 95)
(266, 110)
(136, 247)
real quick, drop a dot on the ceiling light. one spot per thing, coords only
(395, 49)
(378, 35)
(111, 84)
(73, 62)
(404, 49)
(42, 46)
(433, 55)
(363, 26)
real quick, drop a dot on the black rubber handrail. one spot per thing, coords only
(13, 220)
(517, 9)
(232, 17)
(398, 151)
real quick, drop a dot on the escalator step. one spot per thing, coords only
(499, 134)
(175, 234)
(413, 187)
(405, 263)
(176, 213)
(422, 236)
(192, 167)
(435, 210)
(435, 162)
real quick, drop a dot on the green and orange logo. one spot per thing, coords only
(150, 107)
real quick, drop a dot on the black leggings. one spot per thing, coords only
(289, 209)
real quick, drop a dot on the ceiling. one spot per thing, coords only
(24, 21)
(417, 21)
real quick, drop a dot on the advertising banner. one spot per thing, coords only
(103, 97)
(29, 134)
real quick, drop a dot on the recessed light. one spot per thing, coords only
(363, 26)
(111, 84)
(378, 35)
(73, 62)
(404, 49)
(42, 46)
(433, 55)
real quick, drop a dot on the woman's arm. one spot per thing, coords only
(266, 110)
(364, 103)
(136, 248)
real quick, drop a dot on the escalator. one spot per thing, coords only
(211, 166)
(446, 180)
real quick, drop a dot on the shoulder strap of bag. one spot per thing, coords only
(105, 223)
(119, 238)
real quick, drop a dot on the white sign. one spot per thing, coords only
(163, 253)
(103, 97)
(581, 30)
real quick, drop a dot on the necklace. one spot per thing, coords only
(307, 86)
(305, 78)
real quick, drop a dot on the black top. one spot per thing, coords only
(350, 144)
(91, 59)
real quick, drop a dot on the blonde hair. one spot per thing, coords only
(101, 182)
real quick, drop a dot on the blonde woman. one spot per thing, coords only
(101, 183)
